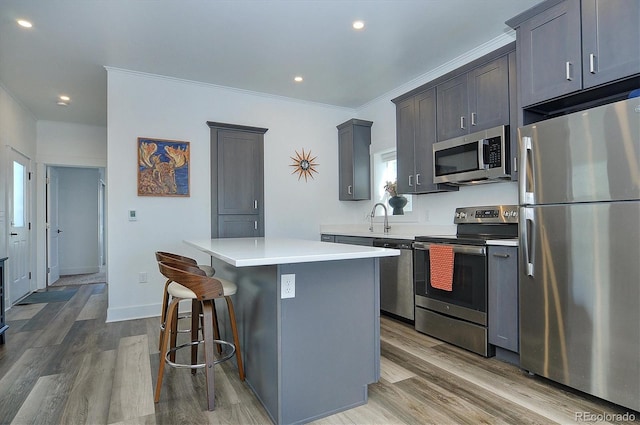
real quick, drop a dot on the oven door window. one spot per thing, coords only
(469, 281)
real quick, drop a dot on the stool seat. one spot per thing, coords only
(179, 291)
(208, 270)
(176, 290)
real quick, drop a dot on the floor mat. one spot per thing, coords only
(48, 297)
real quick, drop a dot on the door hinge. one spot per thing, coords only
(47, 180)
(29, 275)
(29, 225)
(48, 269)
(29, 175)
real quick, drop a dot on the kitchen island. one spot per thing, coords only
(309, 349)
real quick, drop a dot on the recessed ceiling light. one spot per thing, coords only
(24, 23)
(298, 79)
(64, 98)
(62, 103)
(358, 25)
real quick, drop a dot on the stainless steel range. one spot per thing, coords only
(459, 315)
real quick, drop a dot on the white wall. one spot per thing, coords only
(141, 105)
(18, 132)
(78, 218)
(63, 144)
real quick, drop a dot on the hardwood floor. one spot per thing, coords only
(63, 364)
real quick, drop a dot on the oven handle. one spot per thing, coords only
(457, 249)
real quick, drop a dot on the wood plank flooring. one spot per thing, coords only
(63, 364)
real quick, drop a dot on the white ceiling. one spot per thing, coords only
(256, 45)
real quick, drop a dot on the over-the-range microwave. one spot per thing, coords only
(481, 157)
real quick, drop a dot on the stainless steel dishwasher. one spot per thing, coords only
(397, 296)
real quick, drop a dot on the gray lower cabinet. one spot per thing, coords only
(415, 135)
(474, 101)
(237, 181)
(566, 46)
(503, 297)
(354, 139)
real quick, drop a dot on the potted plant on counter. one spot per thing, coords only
(397, 202)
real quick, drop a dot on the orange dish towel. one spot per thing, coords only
(441, 259)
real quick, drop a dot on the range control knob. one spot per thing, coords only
(463, 214)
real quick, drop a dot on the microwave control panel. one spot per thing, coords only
(493, 152)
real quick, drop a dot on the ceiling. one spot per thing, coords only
(256, 45)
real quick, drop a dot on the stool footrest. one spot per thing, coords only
(226, 356)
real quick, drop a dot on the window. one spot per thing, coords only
(384, 170)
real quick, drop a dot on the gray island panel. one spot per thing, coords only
(313, 355)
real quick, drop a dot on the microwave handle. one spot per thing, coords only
(482, 146)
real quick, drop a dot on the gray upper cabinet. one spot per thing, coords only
(573, 45)
(610, 40)
(415, 135)
(474, 101)
(453, 107)
(354, 140)
(237, 181)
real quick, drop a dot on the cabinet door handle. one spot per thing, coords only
(501, 255)
(255, 204)
(418, 179)
(592, 63)
(568, 70)
(255, 225)
(349, 190)
(410, 183)
(473, 118)
(462, 122)
(14, 234)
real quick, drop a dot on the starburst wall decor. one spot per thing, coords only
(304, 165)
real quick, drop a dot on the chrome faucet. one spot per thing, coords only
(386, 217)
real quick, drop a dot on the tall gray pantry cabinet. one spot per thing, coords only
(354, 140)
(237, 180)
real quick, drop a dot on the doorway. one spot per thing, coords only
(75, 221)
(19, 208)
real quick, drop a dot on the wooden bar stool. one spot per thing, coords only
(229, 289)
(203, 291)
(176, 259)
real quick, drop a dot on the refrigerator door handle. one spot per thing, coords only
(528, 229)
(526, 171)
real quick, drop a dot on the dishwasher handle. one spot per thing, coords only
(393, 244)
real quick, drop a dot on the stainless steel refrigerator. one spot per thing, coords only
(580, 250)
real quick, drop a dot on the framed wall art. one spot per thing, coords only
(163, 167)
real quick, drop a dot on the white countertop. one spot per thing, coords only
(245, 252)
(503, 242)
(397, 231)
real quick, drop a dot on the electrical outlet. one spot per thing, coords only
(142, 277)
(288, 286)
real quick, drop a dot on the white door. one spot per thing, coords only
(19, 247)
(53, 228)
